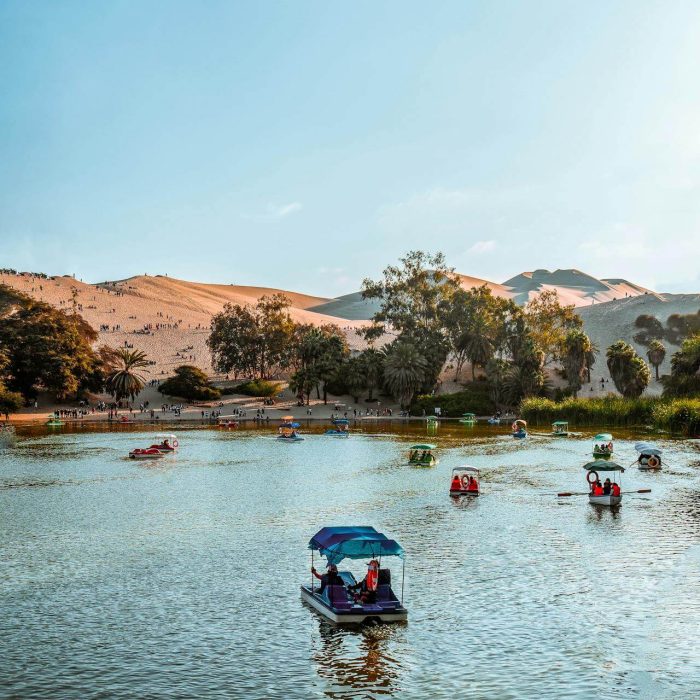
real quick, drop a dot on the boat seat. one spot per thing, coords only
(384, 576)
(384, 593)
(337, 596)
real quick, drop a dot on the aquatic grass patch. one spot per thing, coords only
(475, 398)
(257, 387)
(674, 415)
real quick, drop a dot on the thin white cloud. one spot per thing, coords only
(482, 247)
(275, 212)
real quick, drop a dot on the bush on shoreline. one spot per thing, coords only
(189, 383)
(676, 415)
(257, 388)
(474, 399)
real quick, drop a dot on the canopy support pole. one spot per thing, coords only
(403, 577)
(312, 571)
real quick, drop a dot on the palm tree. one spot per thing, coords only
(575, 350)
(479, 346)
(593, 351)
(404, 370)
(629, 372)
(354, 376)
(656, 355)
(124, 382)
(373, 362)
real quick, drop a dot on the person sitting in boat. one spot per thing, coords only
(615, 489)
(456, 484)
(606, 487)
(597, 488)
(473, 484)
(330, 578)
(165, 444)
(368, 586)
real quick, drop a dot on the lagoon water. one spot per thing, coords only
(180, 578)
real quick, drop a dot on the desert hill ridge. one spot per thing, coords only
(169, 318)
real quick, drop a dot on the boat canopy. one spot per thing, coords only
(432, 418)
(423, 447)
(603, 437)
(287, 419)
(646, 448)
(341, 421)
(520, 421)
(353, 542)
(602, 465)
(166, 436)
(469, 415)
(465, 468)
(560, 423)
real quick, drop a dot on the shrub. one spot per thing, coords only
(678, 415)
(257, 388)
(189, 383)
(474, 399)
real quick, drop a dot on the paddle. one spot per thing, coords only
(587, 493)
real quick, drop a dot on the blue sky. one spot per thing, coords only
(306, 145)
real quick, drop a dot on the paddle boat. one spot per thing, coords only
(148, 453)
(614, 498)
(165, 442)
(340, 597)
(7, 435)
(422, 456)
(560, 428)
(431, 419)
(468, 418)
(287, 432)
(519, 429)
(465, 481)
(494, 421)
(227, 422)
(603, 446)
(341, 429)
(54, 422)
(649, 456)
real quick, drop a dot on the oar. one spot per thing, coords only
(587, 493)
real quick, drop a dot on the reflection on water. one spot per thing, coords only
(357, 662)
(181, 578)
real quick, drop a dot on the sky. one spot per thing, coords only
(307, 145)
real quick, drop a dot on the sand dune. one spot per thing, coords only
(169, 318)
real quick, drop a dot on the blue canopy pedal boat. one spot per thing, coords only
(341, 428)
(334, 597)
(287, 432)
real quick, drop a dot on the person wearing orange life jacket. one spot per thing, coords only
(368, 585)
(473, 484)
(598, 489)
(616, 489)
(456, 484)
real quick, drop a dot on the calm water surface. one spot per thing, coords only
(180, 579)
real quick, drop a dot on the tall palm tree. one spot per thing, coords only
(656, 355)
(124, 381)
(373, 362)
(404, 370)
(629, 372)
(591, 354)
(574, 355)
(480, 347)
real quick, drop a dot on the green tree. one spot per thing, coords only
(404, 370)
(252, 340)
(354, 377)
(656, 354)
(629, 372)
(372, 361)
(684, 380)
(549, 322)
(574, 356)
(189, 383)
(496, 376)
(46, 348)
(650, 328)
(125, 382)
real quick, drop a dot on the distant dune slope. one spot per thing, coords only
(170, 318)
(614, 320)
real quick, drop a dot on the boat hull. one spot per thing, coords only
(294, 439)
(423, 464)
(463, 493)
(142, 456)
(605, 500)
(356, 615)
